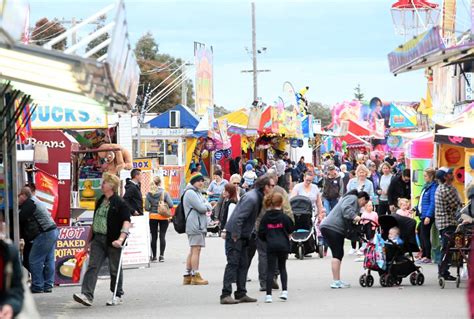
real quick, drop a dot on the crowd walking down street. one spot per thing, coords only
(140, 178)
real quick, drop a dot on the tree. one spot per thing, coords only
(46, 30)
(98, 40)
(161, 71)
(358, 95)
(220, 111)
(146, 47)
(321, 112)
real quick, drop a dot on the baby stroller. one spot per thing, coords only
(459, 247)
(303, 241)
(399, 261)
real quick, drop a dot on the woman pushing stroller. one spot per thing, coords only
(337, 226)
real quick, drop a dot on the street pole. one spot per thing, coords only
(254, 53)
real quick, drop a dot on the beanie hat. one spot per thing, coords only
(248, 167)
(196, 178)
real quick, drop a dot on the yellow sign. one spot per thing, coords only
(143, 164)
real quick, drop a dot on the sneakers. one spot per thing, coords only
(197, 280)
(337, 284)
(186, 280)
(228, 301)
(268, 299)
(114, 302)
(359, 259)
(82, 299)
(449, 278)
(360, 252)
(352, 251)
(246, 298)
(153, 260)
(161, 259)
(284, 295)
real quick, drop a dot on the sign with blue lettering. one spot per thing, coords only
(72, 117)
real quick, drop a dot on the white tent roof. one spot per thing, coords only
(465, 130)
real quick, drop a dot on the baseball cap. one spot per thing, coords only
(443, 171)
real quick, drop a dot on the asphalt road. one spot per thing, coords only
(157, 292)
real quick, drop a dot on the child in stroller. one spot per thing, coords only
(390, 253)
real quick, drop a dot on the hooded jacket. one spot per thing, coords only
(133, 197)
(275, 229)
(153, 199)
(195, 208)
(346, 210)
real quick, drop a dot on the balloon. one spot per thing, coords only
(205, 154)
(452, 156)
(344, 146)
(471, 161)
(218, 155)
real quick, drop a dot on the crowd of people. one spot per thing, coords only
(254, 215)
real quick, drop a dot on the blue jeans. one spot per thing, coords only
(42, 260)
(329, 204)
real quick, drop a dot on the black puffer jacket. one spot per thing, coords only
(133, 197)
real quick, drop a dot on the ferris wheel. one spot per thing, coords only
(412, 17)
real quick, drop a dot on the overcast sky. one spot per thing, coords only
(329, 45)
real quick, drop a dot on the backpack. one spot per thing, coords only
(180, 218)
(374, 254)
(332, 188)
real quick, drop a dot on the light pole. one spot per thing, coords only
(254, 53)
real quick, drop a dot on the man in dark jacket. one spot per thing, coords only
(109, 231)
(239, 229)
(133, 195)
(40, 228)
(399, 187)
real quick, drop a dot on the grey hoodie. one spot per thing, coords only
(195, 209)
(152, 200)
(347, 208)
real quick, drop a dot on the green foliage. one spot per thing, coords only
(46, 30)
(98, 41)
(358, 95)
(320, 111)
(156, 68)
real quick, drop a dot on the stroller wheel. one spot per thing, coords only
(441, 282)
(389, 280)
(413, 278)
(420, 279)
(300, 252)
(362, 280)
(383, 281)
(398, 281)
(321, 251)
(458, 281)
(369, 281)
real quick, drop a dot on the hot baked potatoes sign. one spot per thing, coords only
(70, 241)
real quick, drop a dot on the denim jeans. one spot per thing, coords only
(99, 251)
(329, 204)
(42, 260)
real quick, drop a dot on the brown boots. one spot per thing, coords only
(194, 280)
(197, 280)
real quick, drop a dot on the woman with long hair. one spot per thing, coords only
(158, 219)
(385, 179)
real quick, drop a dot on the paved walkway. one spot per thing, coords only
(157, 292)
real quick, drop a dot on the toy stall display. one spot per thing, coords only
(419, 157)
(454, 157)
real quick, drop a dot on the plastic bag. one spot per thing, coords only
(81, 257)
